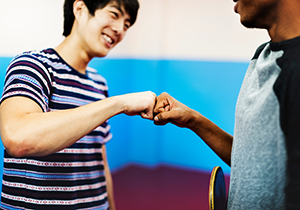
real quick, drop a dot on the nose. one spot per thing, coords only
(118, 27)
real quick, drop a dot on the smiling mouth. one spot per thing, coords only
(108, 39)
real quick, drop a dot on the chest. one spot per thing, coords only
(71, 91)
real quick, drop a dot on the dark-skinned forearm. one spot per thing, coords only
(216, 138)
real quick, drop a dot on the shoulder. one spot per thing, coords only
(287, 85)
(31, 63)
(259, 50)
(94, 75)
(289, 64)
(35, 58)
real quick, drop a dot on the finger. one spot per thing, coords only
(147, 113)
(167, 108)
(163, 118)
(158, 120)
(161, 105)
(158, 110)
(144, 115)
(158, 104)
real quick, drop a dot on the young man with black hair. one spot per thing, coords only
(54, 111)
(264, 152)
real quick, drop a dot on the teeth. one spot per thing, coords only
(107, 38)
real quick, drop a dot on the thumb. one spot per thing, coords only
(163, 118)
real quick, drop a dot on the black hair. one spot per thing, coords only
(131, 7)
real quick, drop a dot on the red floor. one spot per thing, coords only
(162, 188)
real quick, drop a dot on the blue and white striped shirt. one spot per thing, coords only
(72, 178)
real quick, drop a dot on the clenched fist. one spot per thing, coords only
(141, 103)
(168, 109)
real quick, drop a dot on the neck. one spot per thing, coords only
(71, 52)
(287, 25)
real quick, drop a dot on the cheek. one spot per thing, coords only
(245, 10)
(121, 37)
(94, 33)
(249, 7)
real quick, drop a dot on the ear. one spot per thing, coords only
(79, 8)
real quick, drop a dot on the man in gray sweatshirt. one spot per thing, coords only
(264, 152)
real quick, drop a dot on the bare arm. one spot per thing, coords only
(109, 181)
(27, 131)
(169, 109)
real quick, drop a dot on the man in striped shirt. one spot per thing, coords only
(54, 111)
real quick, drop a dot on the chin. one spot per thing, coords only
(247, 24)
(101, 54)
(252, 24)
(259, 20)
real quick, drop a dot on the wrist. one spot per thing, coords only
(121, 104)
(115, 105)
(195, 120)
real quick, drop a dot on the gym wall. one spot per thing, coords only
(195, 50)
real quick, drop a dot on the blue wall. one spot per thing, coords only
(4, 61)
(208, 87)
(3, 65)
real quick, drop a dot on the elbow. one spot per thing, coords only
(14, 146)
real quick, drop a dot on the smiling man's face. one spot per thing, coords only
(101, 32)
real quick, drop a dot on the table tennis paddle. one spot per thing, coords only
(217, 189)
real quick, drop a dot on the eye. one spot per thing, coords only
(116, 15)
(127, 26)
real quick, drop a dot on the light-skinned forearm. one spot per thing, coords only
(216, 138)
(34, 133)
(40, 134)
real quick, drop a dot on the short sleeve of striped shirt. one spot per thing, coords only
(27, 76)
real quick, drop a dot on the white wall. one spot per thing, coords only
(168, 29)
(30, 24)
